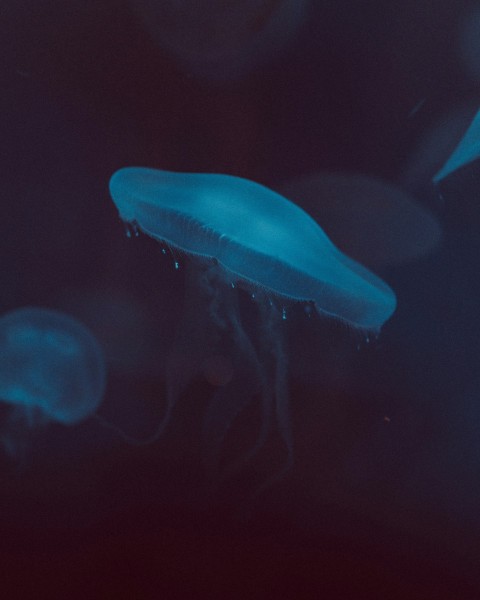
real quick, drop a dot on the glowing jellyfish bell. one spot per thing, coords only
(239, 234)
(51, 367)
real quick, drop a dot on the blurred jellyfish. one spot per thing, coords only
(467, 150)
(435, 146)
(51, 369)
(372, 221)
(242, 240)
(122, 325)
(222, 40)
(469, 42)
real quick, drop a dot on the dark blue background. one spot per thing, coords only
(374, 507)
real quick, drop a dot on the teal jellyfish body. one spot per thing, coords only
(467, 150)
(239, 234)
(51, 367)
(257, 235)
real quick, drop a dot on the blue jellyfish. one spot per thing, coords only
(51, 367)
(241, 239)
(467, 150)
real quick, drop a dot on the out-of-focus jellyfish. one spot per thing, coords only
(434, 148)
(371, 220)
(241, 239)
(469, 42)
(120, 322)
(467, 150)
(51, 369)
(222, 40)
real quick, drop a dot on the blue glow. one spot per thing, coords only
(257, 235)
(235, 231)
(51, 366)
(466, 151)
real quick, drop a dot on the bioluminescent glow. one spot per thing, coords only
(51, 367)
(467, 150)
(259, 236)
(371, 220)
(238, 234)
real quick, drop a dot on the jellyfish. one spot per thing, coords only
(221, 40)
(120, 322)
(371, 220)
(435, 146)
(469, 42)
(241, 240)
(466, 151)
(51, 369)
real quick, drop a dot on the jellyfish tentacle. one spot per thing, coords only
(242, 340)
(273, 344)
(231, 400)
(282, 405)
(176, 381)
(185, 354)
(225, 406)
(266, 400)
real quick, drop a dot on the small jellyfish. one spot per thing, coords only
(221, 40)
(249, 254)
(466, 151)
(371, 220)
(51, 368)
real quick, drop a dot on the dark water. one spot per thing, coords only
(384, 495)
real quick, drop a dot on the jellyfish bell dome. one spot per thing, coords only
(218, 40)
(259, 237)
(51, 366)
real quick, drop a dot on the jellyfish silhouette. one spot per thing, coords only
(242, 239)
(468, 42)
(221, 40)
(51, 369)
(371, 220)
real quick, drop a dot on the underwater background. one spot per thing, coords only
(383, 498)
